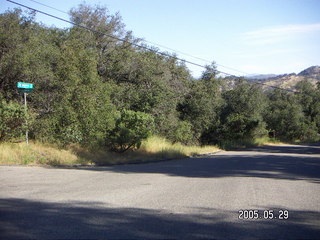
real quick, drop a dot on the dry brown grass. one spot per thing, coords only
(154, 148)
(36, 153)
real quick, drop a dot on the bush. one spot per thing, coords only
(183, 132)
(12, 119)
(130, 129)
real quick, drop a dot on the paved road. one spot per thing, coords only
(184, 199)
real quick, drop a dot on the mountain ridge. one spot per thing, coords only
(288, 81)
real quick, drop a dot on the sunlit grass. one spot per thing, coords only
(36, 153)
(157, 145)
(266, 141)
(152, 149)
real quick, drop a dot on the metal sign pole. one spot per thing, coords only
(25, 88)
(25, 107)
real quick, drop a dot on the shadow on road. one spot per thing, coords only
(25, 219)
(296, 149)
(264, 162)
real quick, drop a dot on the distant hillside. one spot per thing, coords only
(261, 76)
(311, 72)
(289, 81)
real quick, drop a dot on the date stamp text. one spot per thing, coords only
(255, 214)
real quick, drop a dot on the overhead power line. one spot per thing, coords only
(189, 55)
(108, 35)
(123, 40)
(159, 45)
(135, 44)
(42, 4)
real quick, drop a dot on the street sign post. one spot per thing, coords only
(25, 88)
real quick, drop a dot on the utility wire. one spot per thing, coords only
(119, 39)
(189, 55)
(131, 43)
(159, 45)
(108, 35)
(42, 4)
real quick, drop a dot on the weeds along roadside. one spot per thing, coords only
(153, 148)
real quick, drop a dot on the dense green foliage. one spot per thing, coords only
(12, 120)
(294, 116)
(241, 115)
(93, 89)
(130, 129)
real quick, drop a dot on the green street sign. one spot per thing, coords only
(25, 85)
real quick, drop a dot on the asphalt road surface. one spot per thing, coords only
(180, 199)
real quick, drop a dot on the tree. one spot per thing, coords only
(242, 113)
(109, 29)
(151, 83)
(309, 98)
(201, 106)
(77, 73)
(82, 111)
(285, 116)
(15, 36)
(317, 107)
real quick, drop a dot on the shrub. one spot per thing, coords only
(12, 119)
(130, 129)
(183, 132)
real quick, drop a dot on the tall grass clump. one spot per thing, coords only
(153, 148)
(37, 153)
(162, 146)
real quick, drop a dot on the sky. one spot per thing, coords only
(243, 37)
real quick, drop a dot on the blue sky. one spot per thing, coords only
(256, 36)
